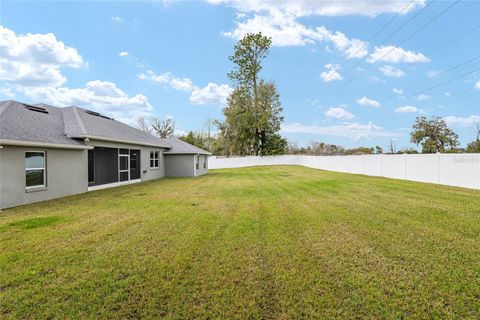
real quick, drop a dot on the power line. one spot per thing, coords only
(406, 23)
(421, 29)
(456, 38)
(402, 42)
(445, 82)
(377, 33)
(461, 97)
(447, 101)
(444, 73)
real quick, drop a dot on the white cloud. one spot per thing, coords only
(354, 131)
(117, 19)
(102, 96)
(183, 84)
(462, 121)
(279, 20)
(7, 92)
(395, 55)
(285, 30)
(331, 73)
(477, 85)
(407, 109)
(351, 48)
(397, 91)
(339, 113)
(211, 94)
(391, 71)
(433, 73)
(35, 59)
(364, 101)
(423, 97)
(123, 54)
(322, 8)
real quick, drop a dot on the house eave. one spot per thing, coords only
(186, 153)
(8, 142)
(123, 141)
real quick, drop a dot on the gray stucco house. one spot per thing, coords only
(48, 152)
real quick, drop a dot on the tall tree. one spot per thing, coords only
(164, 128)
(474, 146)
(434, 135)
(253, 111)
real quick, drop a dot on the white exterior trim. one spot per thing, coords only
(124, 141)
(112, 185)
(42, 144)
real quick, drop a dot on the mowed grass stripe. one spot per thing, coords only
(263, 243)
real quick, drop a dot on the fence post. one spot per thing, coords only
(381, 165)
(438, 167)
(363, 163)
(405, 165)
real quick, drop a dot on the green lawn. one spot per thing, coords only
(262, 243)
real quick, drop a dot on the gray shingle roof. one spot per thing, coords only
(62, 125)
(20, 124)
(181, 147)
(80, 123)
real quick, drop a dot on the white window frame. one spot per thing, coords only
(156, 157)
(44, 185)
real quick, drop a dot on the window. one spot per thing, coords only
(197, 162)
(204, 163)
(154, 155)
(35, 169)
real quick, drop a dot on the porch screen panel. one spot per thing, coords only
(134, 164)
(106, 165)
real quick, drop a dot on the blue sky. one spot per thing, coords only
(168, 58)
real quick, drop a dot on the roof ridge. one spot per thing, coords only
(7, 105)
(80, 122)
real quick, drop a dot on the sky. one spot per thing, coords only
(352, 73)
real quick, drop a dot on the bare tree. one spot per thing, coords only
(293, 148)
(143, 125)
(393, 146)
(164, 128)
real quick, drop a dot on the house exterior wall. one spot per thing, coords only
(203, 161)
(179, 165)
(66, 174)
(146, 173)
(182, 165)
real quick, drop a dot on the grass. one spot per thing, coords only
(262, 243)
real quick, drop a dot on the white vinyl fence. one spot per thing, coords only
(462, 170)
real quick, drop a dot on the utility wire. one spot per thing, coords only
(445, 82)
(394, 114)
(456, 38)
(402, 42)
(416, 85)
(376, 34)
(421, 29)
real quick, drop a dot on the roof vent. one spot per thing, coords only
(96, 114)
(36, 109)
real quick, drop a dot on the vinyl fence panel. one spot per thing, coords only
(462, 170)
